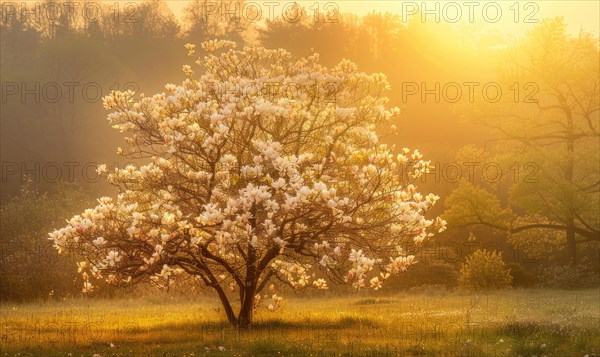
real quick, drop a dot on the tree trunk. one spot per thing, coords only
(248, 291)
(571, 243)
(226, 305)
(569, 174)
(244, 320)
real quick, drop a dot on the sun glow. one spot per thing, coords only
(505, 16)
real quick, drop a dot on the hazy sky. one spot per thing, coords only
(578, 14)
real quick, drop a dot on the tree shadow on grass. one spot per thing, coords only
(343, 322)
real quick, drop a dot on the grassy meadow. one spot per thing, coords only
(503, 323)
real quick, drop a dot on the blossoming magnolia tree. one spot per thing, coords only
(273, 174)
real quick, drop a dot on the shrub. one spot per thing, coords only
(521, 277)
(484, 270)
(427, 274)
(570, 276)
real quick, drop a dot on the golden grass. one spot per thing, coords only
(504, 323)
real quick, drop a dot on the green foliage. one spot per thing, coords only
(484, 270)
(550, 131)
(470, 204)
(30, 267)
(537, 243)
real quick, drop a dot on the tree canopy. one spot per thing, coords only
(263, 168)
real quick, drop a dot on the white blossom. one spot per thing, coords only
(237, 173)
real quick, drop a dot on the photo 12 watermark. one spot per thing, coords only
(470, 11)
(471, 92)
(259, 11)
(476, 171)
(71, 12)
(449, 172)
(64, 92)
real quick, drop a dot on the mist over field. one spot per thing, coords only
(365, 178)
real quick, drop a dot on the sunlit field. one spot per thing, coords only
(507, 323)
